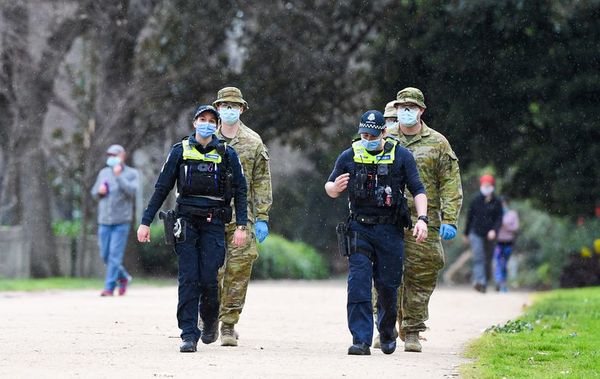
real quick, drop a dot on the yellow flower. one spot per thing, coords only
(586, 252)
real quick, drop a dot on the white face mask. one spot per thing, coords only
(486, 190)
(391, 124)
(408, 116)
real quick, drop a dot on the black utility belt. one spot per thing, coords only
(223, 213)
(374, 220)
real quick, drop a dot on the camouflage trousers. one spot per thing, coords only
(234, 275)
(422, 262)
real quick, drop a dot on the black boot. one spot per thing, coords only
(359, 349)
(209, 312)
(210, 334)
(388, 347)
(188, 346)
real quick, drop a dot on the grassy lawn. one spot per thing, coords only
(558, 337)
(71, 283)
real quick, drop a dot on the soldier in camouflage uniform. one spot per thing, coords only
(391, 118)
(235, 273)
(438, 169)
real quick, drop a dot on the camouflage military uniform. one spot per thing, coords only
(439, 172)
(235, 273)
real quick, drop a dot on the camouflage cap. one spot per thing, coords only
(410, 95)
(232, 95)
(390, 109)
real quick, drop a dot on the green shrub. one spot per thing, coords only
(281, 258)
(156, 257)
(67, 228)
(544, 241)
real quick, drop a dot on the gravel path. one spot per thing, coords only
(288, 329)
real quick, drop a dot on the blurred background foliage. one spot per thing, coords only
(513, 85)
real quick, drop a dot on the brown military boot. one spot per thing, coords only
(402, 334)
(377, 342)
(411, 342)
(228, 335)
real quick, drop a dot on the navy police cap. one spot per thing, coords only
(206, 108)
(371, 122)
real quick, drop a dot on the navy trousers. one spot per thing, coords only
(199, 257)
(385, 244)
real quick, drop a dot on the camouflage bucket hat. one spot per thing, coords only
(390, 110)
(231, 95)
(410, 95)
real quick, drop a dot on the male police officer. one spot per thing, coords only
(208, 173)
(235, 274)
(376, 171)
(438, 169)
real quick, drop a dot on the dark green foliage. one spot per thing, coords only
(580, 271)
(279, 258)
(157, 259)
(513, 83)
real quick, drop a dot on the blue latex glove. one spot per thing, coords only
(447, 231)
(262, 230)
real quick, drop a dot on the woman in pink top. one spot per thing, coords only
(506, 238)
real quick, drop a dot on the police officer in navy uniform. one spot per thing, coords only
(376, 171)
(208, 174)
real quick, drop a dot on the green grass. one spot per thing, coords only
(558, 337)
(71, 283)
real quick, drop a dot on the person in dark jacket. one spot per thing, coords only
(484, 219)
(208, 174)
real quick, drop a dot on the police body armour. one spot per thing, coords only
(204, 174)
(374, 184)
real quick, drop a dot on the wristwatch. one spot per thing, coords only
(425, 219)
(241, 227)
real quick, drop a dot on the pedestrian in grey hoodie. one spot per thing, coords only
(115, 190)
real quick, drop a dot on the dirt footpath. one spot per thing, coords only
(288, 329)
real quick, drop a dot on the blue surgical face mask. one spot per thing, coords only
(205, 129)
(113, 161)
(370, 145)
(229, 115)
(408, 117)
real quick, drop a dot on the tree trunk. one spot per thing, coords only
(31, 84)
(35, 191)
(9, 191)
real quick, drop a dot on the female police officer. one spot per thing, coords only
(376, 171)
(208, 174)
